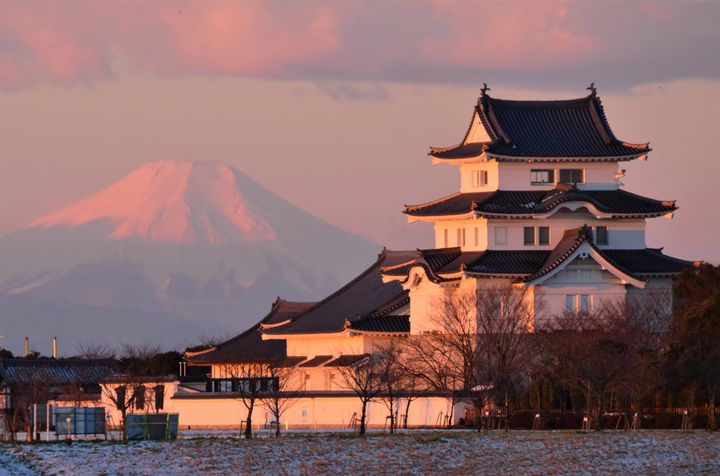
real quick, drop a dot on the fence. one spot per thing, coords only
(78, 420)
(651, 418)
(151, 426)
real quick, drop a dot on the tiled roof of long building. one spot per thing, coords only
(55, 372)
(510, 202)
(249, 346)
(383, 324)
(574, 128)
(357, 299)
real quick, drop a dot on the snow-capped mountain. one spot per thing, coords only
(172, 252)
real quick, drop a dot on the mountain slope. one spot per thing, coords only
(200, 242)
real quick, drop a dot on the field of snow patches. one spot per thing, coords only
(427, 452)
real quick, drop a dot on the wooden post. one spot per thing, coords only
(47, 422)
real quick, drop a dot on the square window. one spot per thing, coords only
(571, 176)
(500, 235)
(601, 235)
(542, 176)
(529, 235)
(544, 235)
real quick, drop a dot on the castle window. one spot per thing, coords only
(570, 302)
(461, 237)
(578, 303)
(501, 235)
(477, 236)
(529, 235)
(445, 237)
(542, 176)
(479, 178)
(572, 176)
(601, 235)
(544, 235)
(584, 303)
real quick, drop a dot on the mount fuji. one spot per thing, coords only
(173, 252)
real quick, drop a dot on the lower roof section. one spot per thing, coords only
(249, 346)
(365, 296)
(446, 264)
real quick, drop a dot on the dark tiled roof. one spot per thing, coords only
(436, 261)
(55, 372)
(510, 202)
(345, 360)
(291, 361)
(360, 297)
(383, 324)
(575, 128)
(249, 346)
(647, 261)
(509, 262)
(635, 262)
(532, 264)
(317, 361)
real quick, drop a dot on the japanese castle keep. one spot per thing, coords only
(540, 207)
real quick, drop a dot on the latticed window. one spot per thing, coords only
(572, 176)
(601, 235)
(529, 235)
(542, 176)
(544, 235)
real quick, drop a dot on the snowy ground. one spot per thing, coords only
(427, 452)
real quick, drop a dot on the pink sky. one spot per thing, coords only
(332, 104)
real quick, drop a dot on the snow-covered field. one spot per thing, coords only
(428, 452)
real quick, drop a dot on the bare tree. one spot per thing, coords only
(645, 322)
(128, 391)
(363, 378)
(392, 378)
(95, 352)
(430, 364)
(248, 380)
(589, 350)
(505, 316)
(282, 391)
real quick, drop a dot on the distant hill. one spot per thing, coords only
(173, 251)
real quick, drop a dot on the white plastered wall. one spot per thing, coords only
(582, 276)
(622, 234)
(598, 175)
(204, 411)
(466, 173)
(452, 227)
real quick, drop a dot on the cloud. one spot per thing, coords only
(555, 43)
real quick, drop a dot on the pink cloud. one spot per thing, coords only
(419, 41)
(51, 44)
(228, 38)
(69, 42)
(510, 35)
